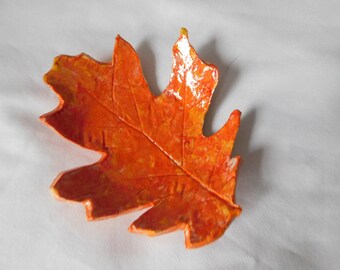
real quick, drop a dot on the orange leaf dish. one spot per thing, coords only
(153, 151)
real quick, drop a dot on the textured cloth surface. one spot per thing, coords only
(279, 63)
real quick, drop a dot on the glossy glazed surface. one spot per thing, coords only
(154, 152)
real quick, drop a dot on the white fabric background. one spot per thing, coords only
(279, 64)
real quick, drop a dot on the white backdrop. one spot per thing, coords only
(279, 63)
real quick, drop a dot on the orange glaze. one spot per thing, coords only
(154, 152)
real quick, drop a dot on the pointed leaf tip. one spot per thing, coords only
(184, 32)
